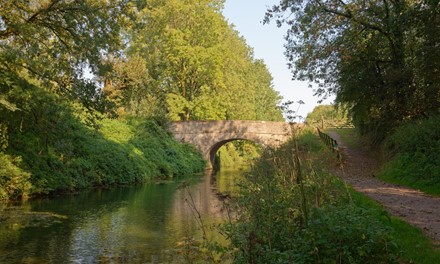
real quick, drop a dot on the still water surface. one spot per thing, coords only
(140, 224)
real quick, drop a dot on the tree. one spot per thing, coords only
(193, 64)
(178, 41)
(54, 40)
(44, 47)
(266, 98)
(369, 53)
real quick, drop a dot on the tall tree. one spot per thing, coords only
(177, 39)
(367, 53)
(54, 40)
(193, 64)
(44, 47)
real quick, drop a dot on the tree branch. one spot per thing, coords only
(48, 8)
(349, 15)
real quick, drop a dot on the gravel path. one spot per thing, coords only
(413, 206)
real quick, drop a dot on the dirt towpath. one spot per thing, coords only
(413, 206)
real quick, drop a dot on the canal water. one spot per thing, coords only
(151, 223)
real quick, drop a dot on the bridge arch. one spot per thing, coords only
(209, 136)
(216, 146)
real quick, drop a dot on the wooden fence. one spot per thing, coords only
(330, 142)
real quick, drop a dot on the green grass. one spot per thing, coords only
(414, 156)
(410, 167)
(415, 247)
(421, 185)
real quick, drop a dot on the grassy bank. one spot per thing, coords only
(55, 147)
(413, 245)
(293, 211)
(411, 155)
(414, 153)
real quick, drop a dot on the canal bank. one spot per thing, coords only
(151, 223)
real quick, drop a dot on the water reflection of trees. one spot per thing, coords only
(145, 223)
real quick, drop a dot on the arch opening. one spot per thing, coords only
(214, 159)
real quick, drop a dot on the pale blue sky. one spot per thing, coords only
(267, 42)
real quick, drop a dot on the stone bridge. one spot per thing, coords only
(209, 136)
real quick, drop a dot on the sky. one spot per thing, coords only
(268, 44)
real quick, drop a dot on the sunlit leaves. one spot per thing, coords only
(369, 53)
(54, 39)
(197, 65)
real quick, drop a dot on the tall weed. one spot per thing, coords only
(289, 212)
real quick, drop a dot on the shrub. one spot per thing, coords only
(66, 147)
(344, 234)
(291, 213)
(14, 182)
(414, 149)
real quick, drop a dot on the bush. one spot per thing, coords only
(291, 213)
(14, 182)
(344, 234)
(66, 147)
(414, 149)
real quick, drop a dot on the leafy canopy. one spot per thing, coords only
(378, 57)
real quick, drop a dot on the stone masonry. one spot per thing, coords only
(209, 136)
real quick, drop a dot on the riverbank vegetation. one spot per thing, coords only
(88, 105)
(291, 210)
(49, 149)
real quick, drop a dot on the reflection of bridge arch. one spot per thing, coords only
(209, 136)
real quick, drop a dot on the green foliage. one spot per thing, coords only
(378, 57)
(307, 141)
(195, 66)
(238, 153)
(63, 151)
(14, 181)
(345, 234)
(414, 245)
(3, 137)
(414, 149)
(291, 213)
(43, 40)
(327, 115)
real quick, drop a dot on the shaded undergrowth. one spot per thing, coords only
(414, 246)
(291, 211)
(55, 146)
(414, 152)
